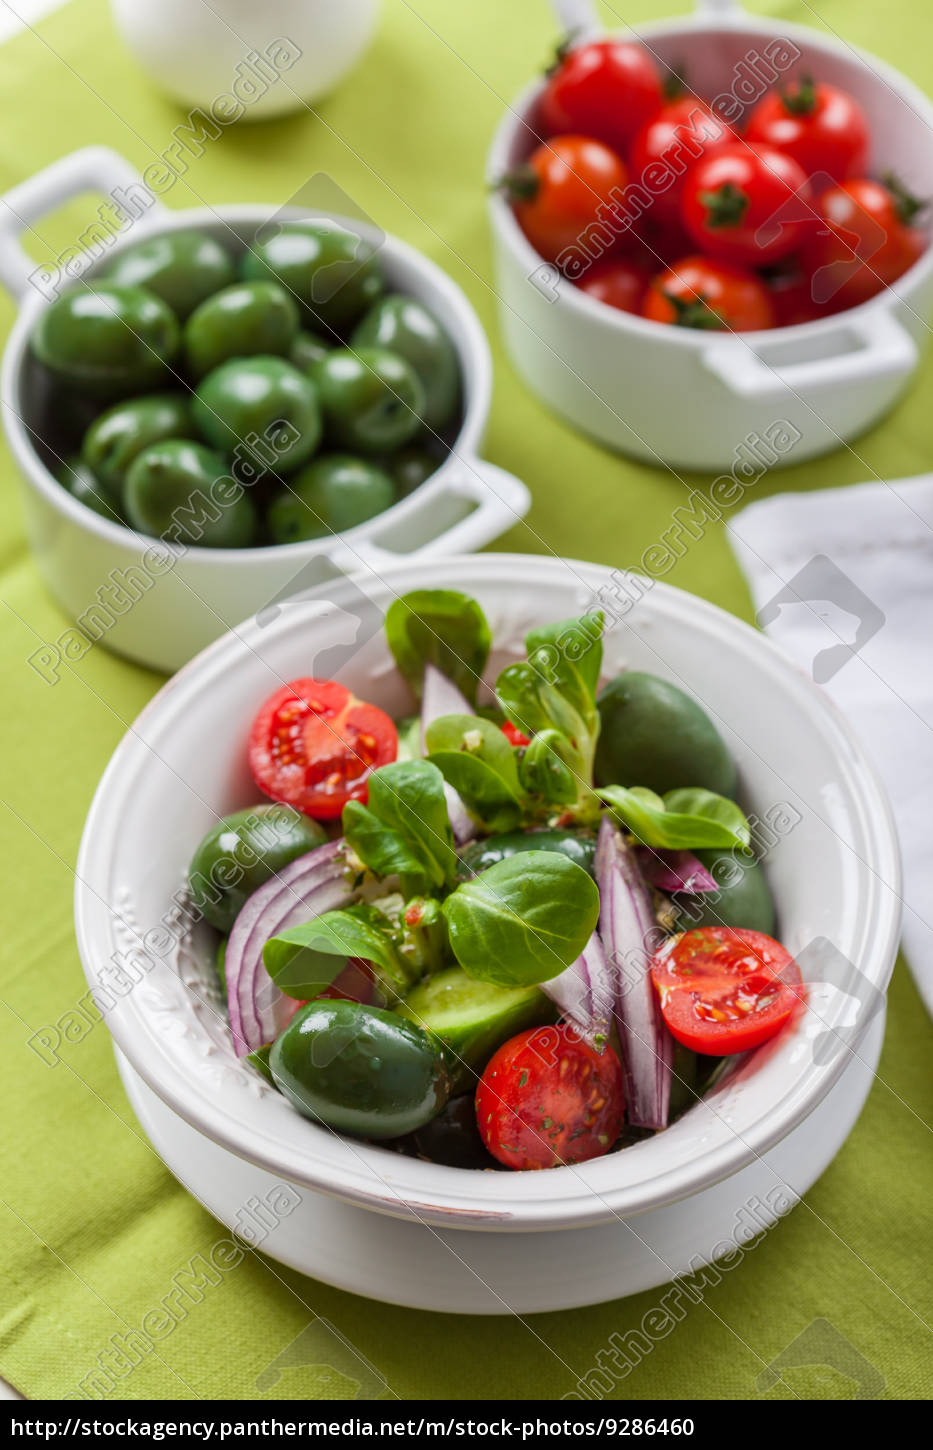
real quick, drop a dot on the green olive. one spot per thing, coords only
(410, 467)
(74, 475)
(333, 493)
(184, 492)
(578, 846)
(118, 436)
(243, 851)
(183, 268)
(371, 399)
(307, 349)
(744, 898)
(332, 274)
(241, 321)
(405, 326)
(359, 1070)
(107, 342)
(263, 405)
(655, 735)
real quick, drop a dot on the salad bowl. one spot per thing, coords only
(832, 864)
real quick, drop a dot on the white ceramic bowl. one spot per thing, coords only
(693, 399)
(835, 875)
(199, 52)
(465, 504)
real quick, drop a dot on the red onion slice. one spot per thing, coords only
(628, 929)
(305, 888)
(585, 992)
(675, 871)
(440, 696)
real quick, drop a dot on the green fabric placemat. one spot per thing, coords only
(95, 1228)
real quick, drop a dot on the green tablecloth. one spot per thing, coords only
(94, 1227)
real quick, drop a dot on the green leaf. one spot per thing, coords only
(475, 758)
(472, 735)
(383, 851)
(305, 959)
(441, 627)
(518, 692)
(405, 828)
(569, 645)
(484, 793)
(550, 768)
(684, 819)
(523, 920)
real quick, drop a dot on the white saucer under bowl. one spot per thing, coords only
(419, 1266)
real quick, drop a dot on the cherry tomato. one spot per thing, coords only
(863, 242)
(790, 288)
(513, 735)
(547, 1097)
(683, 133)
(620, 283)
(314, 746)
(697, 292)
(607, 89)
(723, 989)
(821, 127)
(565, 186)
(747, 206)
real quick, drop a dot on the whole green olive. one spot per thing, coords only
(653, 734)
(118, 436)
(262, 404)
(243, 851)
(183, 268)
(743, 899)
(107, 342)
(307, 349)
(241, 321)
(184, 492)
(330, 494)
(333, 274)
(405, 326)
(410, 467)
(371, 399)
(74, 475)
(359, 1070)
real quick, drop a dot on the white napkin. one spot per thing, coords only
(843, 580)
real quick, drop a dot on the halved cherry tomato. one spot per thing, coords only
(723, 989)
(513, 735)
(566, 186)
(824, 129)
(664, 151)
(314, 746)
(749, 206)
(547, 1097)
(618, 282)
(606, 89)
(697, 292)
(864, 240)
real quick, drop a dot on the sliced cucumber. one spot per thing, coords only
(473, 1018)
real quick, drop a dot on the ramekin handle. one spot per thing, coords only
(885, 350)
(93, 168)
(480, 499)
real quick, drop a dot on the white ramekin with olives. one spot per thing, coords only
(226, 406)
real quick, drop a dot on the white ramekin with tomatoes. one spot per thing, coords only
(763, 198)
